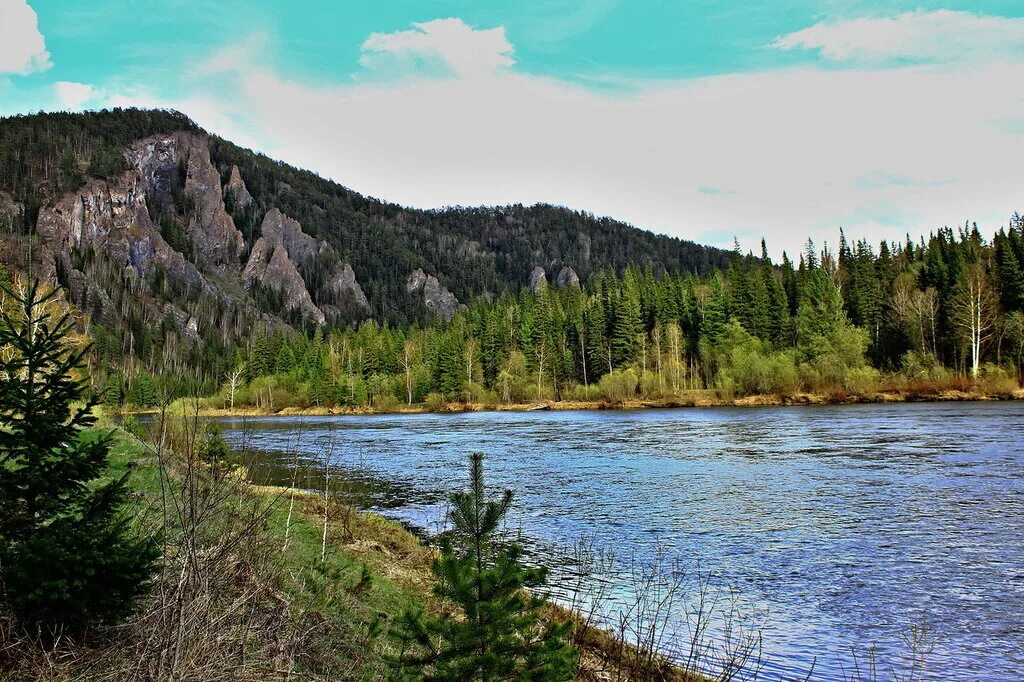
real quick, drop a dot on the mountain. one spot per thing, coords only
(179, 243)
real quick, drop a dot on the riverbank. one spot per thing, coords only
(695, 398)
(270, 583)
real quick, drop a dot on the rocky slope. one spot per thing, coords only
(157, 228)
(115, 232)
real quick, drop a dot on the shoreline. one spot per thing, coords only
(693, 399)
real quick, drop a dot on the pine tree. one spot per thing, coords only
(68, 554)
(496, 631)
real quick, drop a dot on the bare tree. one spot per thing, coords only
(974, 308)
(410, 354)
(234, 379)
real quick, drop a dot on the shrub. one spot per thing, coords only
(619, 386)
(862, 380)
(386, 402)
(923, 366)
(435, 402)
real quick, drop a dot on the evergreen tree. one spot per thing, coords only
(68, 555)
(495, 631)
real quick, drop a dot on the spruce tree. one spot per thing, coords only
(490, 627)
(68, 554)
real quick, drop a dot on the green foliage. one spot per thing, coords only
(828, 315)
(747, 365)
(491, 626)
(619, 385)
(68, 554)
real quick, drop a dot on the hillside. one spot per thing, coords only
(178, 243)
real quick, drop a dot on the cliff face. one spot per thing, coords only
(436, 296)
(279, 229)
(111, 218)
(237, 190)
(107, 227)
(270, 264)
(160, 160)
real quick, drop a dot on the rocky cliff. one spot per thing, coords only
(162, 160)
(436, 296)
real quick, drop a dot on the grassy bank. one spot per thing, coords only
(253, 587)
(892, 392)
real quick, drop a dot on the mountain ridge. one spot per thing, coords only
(148, 220)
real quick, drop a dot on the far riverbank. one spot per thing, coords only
(698, 398)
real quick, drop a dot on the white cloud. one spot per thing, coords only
(786, 154)
(463, 49)
(72, 96)
(938, 36)
(22, 48)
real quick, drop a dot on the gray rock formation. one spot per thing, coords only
(237, 189)
(111, 217)
(210, 228)
(345, 286)
(269, 264)
(187, 325)
(567, 277)
(436, 297)
(277, 228)
(537, 279)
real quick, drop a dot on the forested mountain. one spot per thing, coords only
(190, 256)
(179, 244)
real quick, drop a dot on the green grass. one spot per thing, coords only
(347, 599)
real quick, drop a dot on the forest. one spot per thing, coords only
(653, 318)
(946, 313)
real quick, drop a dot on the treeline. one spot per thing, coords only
(848, 321)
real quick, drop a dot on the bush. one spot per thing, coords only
(580, 393)
(652, 386)
(862, 380)
(386, 402)
(747, 366)
(435, 402)
(619, 386)
(473, 392)
(923, 366)
(996, 380)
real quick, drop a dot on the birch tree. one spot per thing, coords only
(974, 311)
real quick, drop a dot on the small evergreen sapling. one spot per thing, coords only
(491, 626)
(68, 554)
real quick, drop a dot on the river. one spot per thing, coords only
(837, 529)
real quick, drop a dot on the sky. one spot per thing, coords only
(711, 120)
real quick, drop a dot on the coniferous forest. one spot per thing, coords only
(854, 320)
(649, 317)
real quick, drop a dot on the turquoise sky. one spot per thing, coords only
(574, 39)
(622, 59)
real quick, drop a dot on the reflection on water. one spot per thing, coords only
(847, 524)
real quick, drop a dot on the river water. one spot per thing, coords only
(834, 530)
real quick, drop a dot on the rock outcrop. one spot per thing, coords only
(187, 325)
(277, 228)
(270, 265)
(567, 277)
(538, 279)
(436, 296)
(237, 190)
(160, 160)
(10, 212)
(345, 286)
(111, 217)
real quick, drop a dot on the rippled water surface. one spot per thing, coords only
(845, 524)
